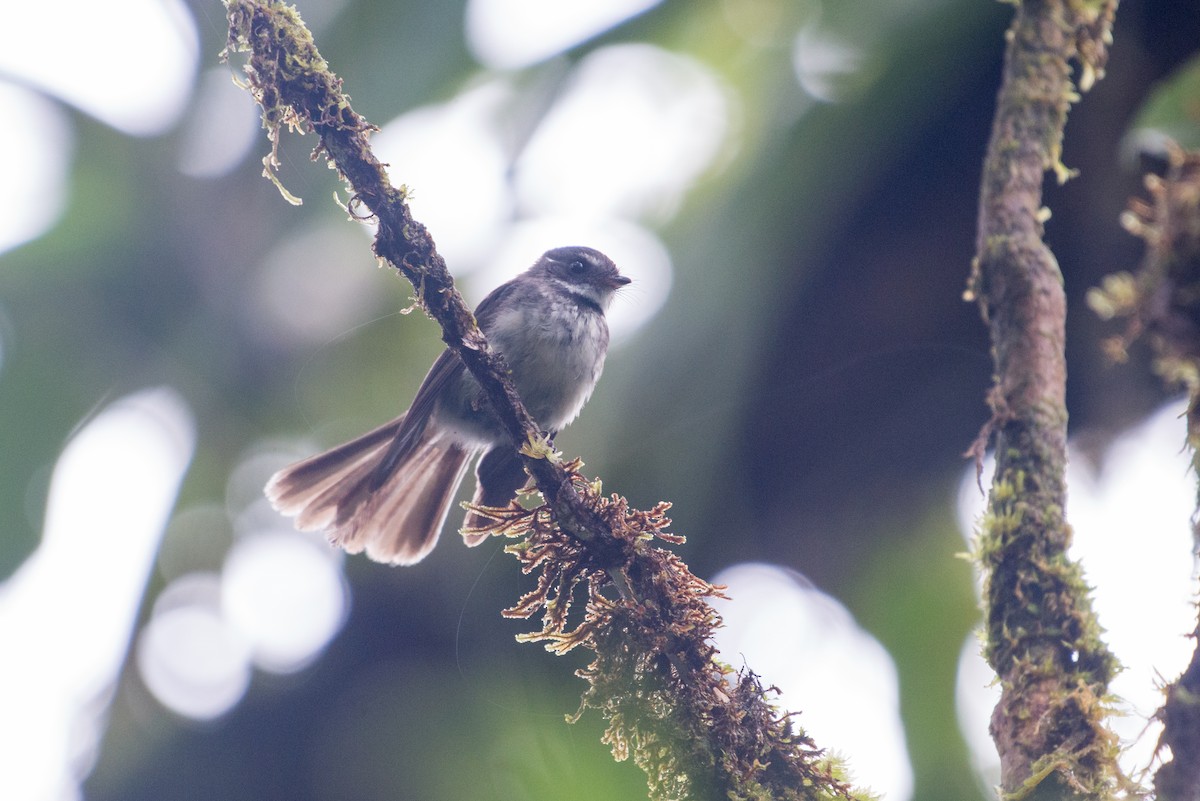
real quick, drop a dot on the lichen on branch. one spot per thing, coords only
(697, 730)
(1041, 635)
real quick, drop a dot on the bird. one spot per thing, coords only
(389, 491)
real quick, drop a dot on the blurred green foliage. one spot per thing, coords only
(803, 398)
(1173, 109)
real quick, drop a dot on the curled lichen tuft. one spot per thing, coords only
(288, 78)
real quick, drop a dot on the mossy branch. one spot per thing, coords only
(1162, 302)
(295, 88)
(1041, 635)
(697, 731)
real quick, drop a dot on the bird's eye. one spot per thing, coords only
(576, 267)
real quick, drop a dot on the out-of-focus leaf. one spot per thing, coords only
(1173, 110)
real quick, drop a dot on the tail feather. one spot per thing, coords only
(401, 521)
(396, 519)
(302, 475)
(314, 490)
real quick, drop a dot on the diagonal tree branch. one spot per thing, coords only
(697, 731)
(295, 88)
(1042, 637)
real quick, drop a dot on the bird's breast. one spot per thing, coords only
(556, 352)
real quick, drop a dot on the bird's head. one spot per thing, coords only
(584, 272)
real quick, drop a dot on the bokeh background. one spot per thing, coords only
(791, 184)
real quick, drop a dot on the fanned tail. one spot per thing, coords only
(394, 517)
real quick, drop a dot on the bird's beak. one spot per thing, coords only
(620, 281)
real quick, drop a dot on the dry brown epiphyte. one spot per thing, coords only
(696, 728)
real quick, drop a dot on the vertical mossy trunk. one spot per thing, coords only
(1042, 637)
(1179, 778)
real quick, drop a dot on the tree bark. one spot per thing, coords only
(1042, 637)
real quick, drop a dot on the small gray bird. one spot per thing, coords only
(389, 491)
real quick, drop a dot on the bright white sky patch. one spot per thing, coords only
(278, 599)
(38, 146)
(284, 591)
(315, 284)
(827, 67)
(67, 613)
(223, 126)
(507, 34)
(1133, 535)
(191, 659)
(129, 63)
(975, 696)
(827, 667)
(450, 158)
(634, 128)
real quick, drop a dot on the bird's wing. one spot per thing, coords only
(319, 489)
(489, 308)
(408, 434)
(447, 368)
(400, 522)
